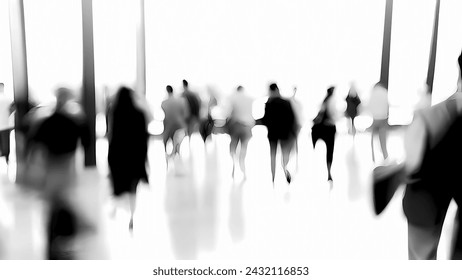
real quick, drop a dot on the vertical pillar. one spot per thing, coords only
(385, 69)
(88, 80)
(432, 60)
(20, 78)
(140, 51)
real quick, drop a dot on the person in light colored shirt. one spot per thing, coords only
(299, 120)
(240, 123)
(5, 123)
(379, 108)
(175, 120)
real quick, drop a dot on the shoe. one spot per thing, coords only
(288, 177)
(130, 225)
(329, 178)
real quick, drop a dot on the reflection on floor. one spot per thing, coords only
(195, 210)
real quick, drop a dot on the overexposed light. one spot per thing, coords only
(101, 126)
(363, 122)
(156, 127)
(159, 114)
(258, 108)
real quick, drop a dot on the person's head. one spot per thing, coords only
(240, 89)
(185, 84)
(2, 88)
(169, 90)
(63, 95)
(274, 90)
(124, 99)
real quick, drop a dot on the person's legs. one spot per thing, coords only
(178, 137)
(273, 149)
(242, 155)
(5, 144)
(232, 150)
(423, 241)
(286, 148)
(132, 202)
(314, 135)
(456, 247)
(330, 142)
(353, 127)
(383, 138)
(373, 133)
(165, 139)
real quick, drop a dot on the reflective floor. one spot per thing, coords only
(195, 210)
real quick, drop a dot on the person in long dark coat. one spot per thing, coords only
(128, 147)
(279, 118)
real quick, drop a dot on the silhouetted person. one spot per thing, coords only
(194, 106)
(279, 118)
(239, 125)
(299, 119)
(174, 121)
(353, 101)
(5, 124)
(128, 147)
(379, 108)
(433, 147)
(57, 137)
(324, 128)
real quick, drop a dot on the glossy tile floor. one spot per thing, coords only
(195, 210)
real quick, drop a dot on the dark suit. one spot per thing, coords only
(432, 187)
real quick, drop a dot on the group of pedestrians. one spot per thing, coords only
(283, 118)
(53, 135)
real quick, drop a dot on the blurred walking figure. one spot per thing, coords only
(379, 108)
(353, 101)
(174, 122)
(239, 125)
(432, 173)
(128, 147)
(279, 118)
(56, 140)
(324, 128)
(432, 143)
(194, 106)
(6, 109)
(299, 120)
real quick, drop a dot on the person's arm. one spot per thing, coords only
(264, 119)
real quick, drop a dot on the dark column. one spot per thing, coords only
(140, 51)
(385, 69)
(20, 79)
(88, 80)
(432, 60)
